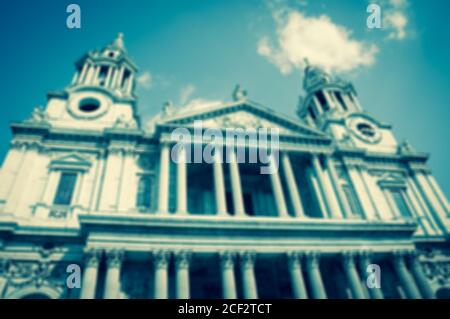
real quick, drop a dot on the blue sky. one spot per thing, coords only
(194, 51)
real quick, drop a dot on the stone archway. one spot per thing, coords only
(443, 293)
(33, 292)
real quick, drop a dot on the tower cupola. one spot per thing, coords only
(109, 68)
(325, 96)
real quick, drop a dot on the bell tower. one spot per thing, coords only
(331, 105)
(109, 68)
(326, 97)
(101, 94)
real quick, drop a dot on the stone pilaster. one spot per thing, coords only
(348, 263)
(295, 272)
(89, 284)
(404, 276)
(161, 265)
(247, 263)
(314, 275)
(182, 261)
(227, 259)
(114, 259)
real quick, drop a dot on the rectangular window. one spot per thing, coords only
(401, 203)
(65, 189)
(144, 192)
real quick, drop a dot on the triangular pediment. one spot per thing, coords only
(71, 161)
(245, 114)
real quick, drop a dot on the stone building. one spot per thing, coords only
(84, 183)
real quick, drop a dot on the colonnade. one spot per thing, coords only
(299, 263)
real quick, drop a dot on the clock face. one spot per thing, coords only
(88, 106)
(364, 129)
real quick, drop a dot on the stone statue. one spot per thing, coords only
(121, 122)
(167, 109)
(239, 93)
(405, 147)
(38, 115)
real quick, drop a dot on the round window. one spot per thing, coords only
(89, 105)
(366, 129)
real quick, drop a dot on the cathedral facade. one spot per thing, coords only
(349, 212)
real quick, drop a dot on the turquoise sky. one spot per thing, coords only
(200, 49)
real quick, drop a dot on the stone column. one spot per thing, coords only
(437, 189)
(164, 170)
(3, 282)
(430, 197)
(316, 190)
(83, 73)
(420, 277)
(314, 276)
(181, 181)
(114, 260)
(247, 263)
(182, 260)
(295, 272)
(292, 185)
(277, 189)
(129, 87)
(161, 265)
(363, 197)
(236, 185)
(96, 74)
(330, 201)
(351, 273)
(366, 178)
(364, 261)
(219, 184)
(346, 210)
(406, 280)
(89, 283)
(227, 274)
(118, 78)
(108, 77)
(424, 207)
(329, 99)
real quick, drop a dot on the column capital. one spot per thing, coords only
(114, 258)
(92, 257)
(399, 256)
(227, 259)
(365, 256)
(161, 258)
(312, 259)
(247, 259)
(348, 258)
(294, 258)
(182, 259)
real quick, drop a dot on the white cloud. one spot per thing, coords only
(398, 3)
(198, 104)
(395, 22)
(316, 38)
(186, 93)
(145, 80)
